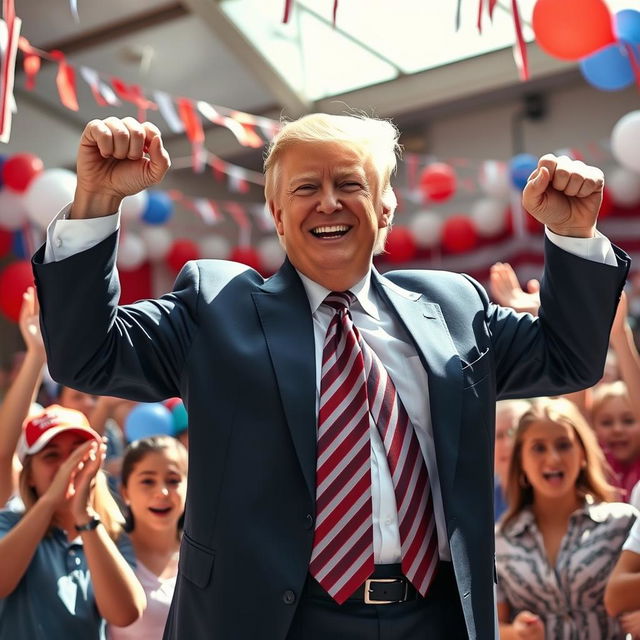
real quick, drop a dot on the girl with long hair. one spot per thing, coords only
(154, 479)
(562, 532)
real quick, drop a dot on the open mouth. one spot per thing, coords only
(553, 476)
(331, 231)
(160, 511)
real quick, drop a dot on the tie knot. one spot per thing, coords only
(340, 300)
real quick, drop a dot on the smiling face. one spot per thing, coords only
(551, 458)
(328, 211)
(156, 490)
(617, 429)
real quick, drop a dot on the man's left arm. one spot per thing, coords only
(565, 348)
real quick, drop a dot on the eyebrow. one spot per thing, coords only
(338, 173)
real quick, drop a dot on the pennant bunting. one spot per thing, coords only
(65, 81)
(239, 215)
(31, 62)
(103, 94)
(133, 93)
(194, 131)
(207, 210)
(168, 111)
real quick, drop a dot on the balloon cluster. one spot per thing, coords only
(585, 30)
(429, 230)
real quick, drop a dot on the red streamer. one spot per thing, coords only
(287, 10)
(133, 93)
(520, 49)
(65, 81)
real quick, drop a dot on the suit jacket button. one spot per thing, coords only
(308, 521)
(288, 597)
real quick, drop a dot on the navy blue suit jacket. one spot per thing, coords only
(240, 351)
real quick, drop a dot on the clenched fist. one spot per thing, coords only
(116, 158)
(565, 195)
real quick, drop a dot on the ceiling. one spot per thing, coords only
(394, 56)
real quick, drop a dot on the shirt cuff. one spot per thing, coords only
(597, 249)
(67, 237)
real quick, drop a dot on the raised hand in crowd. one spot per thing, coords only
(116, 158)
(526, 626)
(20, 395)
(627, 354)
(506, 290)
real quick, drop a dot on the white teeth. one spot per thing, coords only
(336, 228)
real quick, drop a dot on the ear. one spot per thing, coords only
(125, 494)
(276, 214)
(389, 203)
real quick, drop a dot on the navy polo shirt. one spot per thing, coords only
(55, 599)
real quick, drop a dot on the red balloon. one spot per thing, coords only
(181, 252)
(170, 403)
(6, 241)
(14, 280)
(19, 170)
(572, 29)
(607, 204)
(400, 245)
(459, 234)
(248, 256)
(437, 182)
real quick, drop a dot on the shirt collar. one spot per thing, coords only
(361, 290)
(596, 511)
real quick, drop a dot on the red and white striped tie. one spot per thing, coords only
(354, 384)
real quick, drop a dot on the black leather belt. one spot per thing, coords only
(375, 590)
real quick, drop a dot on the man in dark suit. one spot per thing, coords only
(291, 533)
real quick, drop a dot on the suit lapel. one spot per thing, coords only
(425, 324)
(283, 307)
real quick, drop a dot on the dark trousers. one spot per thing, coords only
(436, 617)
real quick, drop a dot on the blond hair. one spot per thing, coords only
(592, 479)
(376, 138)
(605, 391)
(102, 501)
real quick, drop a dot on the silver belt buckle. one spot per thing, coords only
(367, 591)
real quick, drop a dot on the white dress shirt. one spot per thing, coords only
(383, 333)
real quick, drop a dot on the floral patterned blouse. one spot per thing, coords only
(569, 596)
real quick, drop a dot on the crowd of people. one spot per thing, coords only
(567, 491)
(93, 533)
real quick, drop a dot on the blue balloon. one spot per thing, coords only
(180, 418)
(148, 419)
(159, 208)
(627, 25)
(19, 245)
(521, 167)
(608, 69)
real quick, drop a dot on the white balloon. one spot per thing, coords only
(489, 216)
(157, 241)
(48, 193)
(214, 247)
(131, 252)
(133, 206)
(13, 213)
(494, 179)
(624, 186)
(426, 227)
(271, 253)
(624, 141)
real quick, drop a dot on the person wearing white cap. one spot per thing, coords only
(65, 557)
